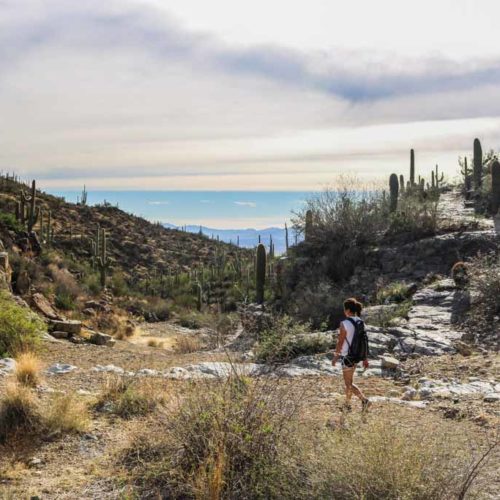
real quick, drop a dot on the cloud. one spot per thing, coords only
(250, 204)
(207, 202)
(158, 203)
(119, 94)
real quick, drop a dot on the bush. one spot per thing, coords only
(185, 344)
(394, 292)
(128, 397)
(66, 414)
(10, 221)
(287, 339)
(66, 288)
(28, 368)
(391, 461)
(20, 329)
(227, 440)
(19, 412)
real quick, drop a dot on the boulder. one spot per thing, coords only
(23, 283)
(60, 368)
(72, 327)
(41, 304)
(5, 268)
(462, 348)
(59, 335)
(388, 362)
(102, 339)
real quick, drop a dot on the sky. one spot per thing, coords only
(238, 95)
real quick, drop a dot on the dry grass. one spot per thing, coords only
(155, 343)
(67, 414)
(241, 438)
(19, 412)
(129, 397)
(186, 344)
(28, 367)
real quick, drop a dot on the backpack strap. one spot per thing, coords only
(354, 325)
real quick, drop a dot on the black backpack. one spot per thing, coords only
(358, 348)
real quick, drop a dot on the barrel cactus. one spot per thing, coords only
(260, 273)
(394, 189)
(478, 164)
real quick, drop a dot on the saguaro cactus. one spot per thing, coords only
(394, 188)
(286, 237)
(29, 216)
(495, 187)
(401, 183)
(412, 167)
(103, 260)
(478, 164)
(309, 225)
(260, 273)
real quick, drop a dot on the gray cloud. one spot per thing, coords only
(352, 76)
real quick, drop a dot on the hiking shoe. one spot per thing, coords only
(365, 405)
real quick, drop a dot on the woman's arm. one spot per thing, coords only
(340, 343)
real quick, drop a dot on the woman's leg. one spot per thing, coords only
(350, 387)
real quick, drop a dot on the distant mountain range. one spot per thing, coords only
(248, 238)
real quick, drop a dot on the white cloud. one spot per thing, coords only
(158, 203)
(250, 204)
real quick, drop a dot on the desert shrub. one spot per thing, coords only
(391, 461)
(393, 292)
(186, 344)
(19, 412)
(66, 414)
(484, 281)
(128, 397)
(193, 320)
(414, 219)
(228, 439)
(9, 220)
(119, 285)
(155, 309)
(66, 287)
(317, 303)
(20, 329)
(287, 339)
(389, 315)
(92, 283)
(154, 343)
(27, 371)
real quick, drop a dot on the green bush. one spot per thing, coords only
(20, 329)
(287, 339)
(394, 292)
(10, 221)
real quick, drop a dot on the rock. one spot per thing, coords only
(77, 340)
(102, 339)
(60, 368)
(148, 372)
(59, 335)
(493, 397)
(42, 305)
(109, 369)
(412, 404)
(5, 268)
(7, 365)
(23, 283)
(462, 348)
(410, 394)
(35, 462)
(72, 327)
(425, 393)
(89, 311)
(389, 362)
(393, 393)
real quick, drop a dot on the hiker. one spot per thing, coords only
(352, 347)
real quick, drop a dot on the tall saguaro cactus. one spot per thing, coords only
(495, 187)
(103, 260)
(394, 189)
(27, 211)
(286, 238)
(309, 225)
(478, 164)
(260, 273)
(412, 167)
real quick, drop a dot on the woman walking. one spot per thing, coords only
(351, 327)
